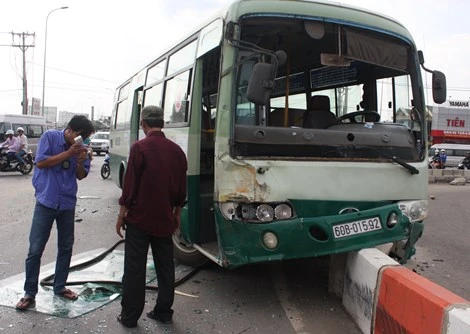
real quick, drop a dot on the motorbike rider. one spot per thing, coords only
(436, 159)
(12, 144)
(443, 157)
(466, 161)
(23, 145)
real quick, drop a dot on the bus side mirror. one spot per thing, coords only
(261, 83)
(439, 87)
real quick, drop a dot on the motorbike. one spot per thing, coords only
(105, 168)
(14, 165)
(464, 164)
(435, 163)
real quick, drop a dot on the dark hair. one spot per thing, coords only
(81, 124)
(154, 122)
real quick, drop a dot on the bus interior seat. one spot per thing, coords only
(318, 114)
(294, 118)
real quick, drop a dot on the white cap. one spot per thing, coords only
(10, 132)
(20, 129)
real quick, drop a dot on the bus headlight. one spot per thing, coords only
(256, 212)
(270, 240)
(414, 210)
(283, 211)
(265, 213)
(228, 210)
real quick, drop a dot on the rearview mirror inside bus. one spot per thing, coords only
(261, 83)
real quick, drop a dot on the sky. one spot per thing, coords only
(93, 46)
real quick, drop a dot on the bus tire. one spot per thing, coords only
(185, 253)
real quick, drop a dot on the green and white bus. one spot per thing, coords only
(304, 125)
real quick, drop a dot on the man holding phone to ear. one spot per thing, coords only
(61, 160)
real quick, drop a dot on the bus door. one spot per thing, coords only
(210, 66)
(136, 131)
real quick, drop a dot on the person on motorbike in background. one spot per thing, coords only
(466, 161)
(23, 145)
(443, 157)
(12, 144)
(436, 159)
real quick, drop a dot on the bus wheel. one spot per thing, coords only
(185, 253)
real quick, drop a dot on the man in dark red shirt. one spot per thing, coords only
(153, 194)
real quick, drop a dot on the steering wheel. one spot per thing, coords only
(373, 115)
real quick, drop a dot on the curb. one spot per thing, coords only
(384, 297)
(447, 175)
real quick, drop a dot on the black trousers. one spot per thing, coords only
(134, 280)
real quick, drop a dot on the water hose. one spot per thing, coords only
(49, 280)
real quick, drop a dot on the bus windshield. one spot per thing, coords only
(351, 94)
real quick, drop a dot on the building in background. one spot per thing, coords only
(51, 117)
(66, 116)
(50, 113)
(451, 122)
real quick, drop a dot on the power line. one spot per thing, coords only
(80, 75)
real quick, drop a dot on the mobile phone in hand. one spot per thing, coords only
(78, 140)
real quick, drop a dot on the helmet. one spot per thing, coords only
(443, 151)
(19, 129)
(436, 151)
(10, 132)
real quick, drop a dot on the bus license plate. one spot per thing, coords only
(357, 227)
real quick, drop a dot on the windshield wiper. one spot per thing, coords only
(410, 168)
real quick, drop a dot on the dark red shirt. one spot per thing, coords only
(155, 182)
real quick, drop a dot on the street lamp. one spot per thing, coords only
(44, 66)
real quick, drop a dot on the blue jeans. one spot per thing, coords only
(19, 155)
(43, 218)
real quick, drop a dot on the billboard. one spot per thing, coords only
(36, 107)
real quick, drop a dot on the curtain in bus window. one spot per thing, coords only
(177, 98)
(376, 51)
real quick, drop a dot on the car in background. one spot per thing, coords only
(100, 142)
(455, 153)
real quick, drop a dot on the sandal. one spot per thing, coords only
(68, 294)
(25, 303)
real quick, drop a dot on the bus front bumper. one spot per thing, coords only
(243, 243)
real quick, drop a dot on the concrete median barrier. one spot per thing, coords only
(384, 297)
(447, 175)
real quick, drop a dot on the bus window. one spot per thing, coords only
(183, 58)
(153, 95)
(121, 112)
(155, 73)
(177, 98)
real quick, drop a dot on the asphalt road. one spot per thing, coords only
(442, 252)
(288, 297)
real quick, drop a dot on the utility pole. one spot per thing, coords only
(23, 47)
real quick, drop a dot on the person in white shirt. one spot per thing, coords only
(10, 139)
(12, 144)
(23, 145)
